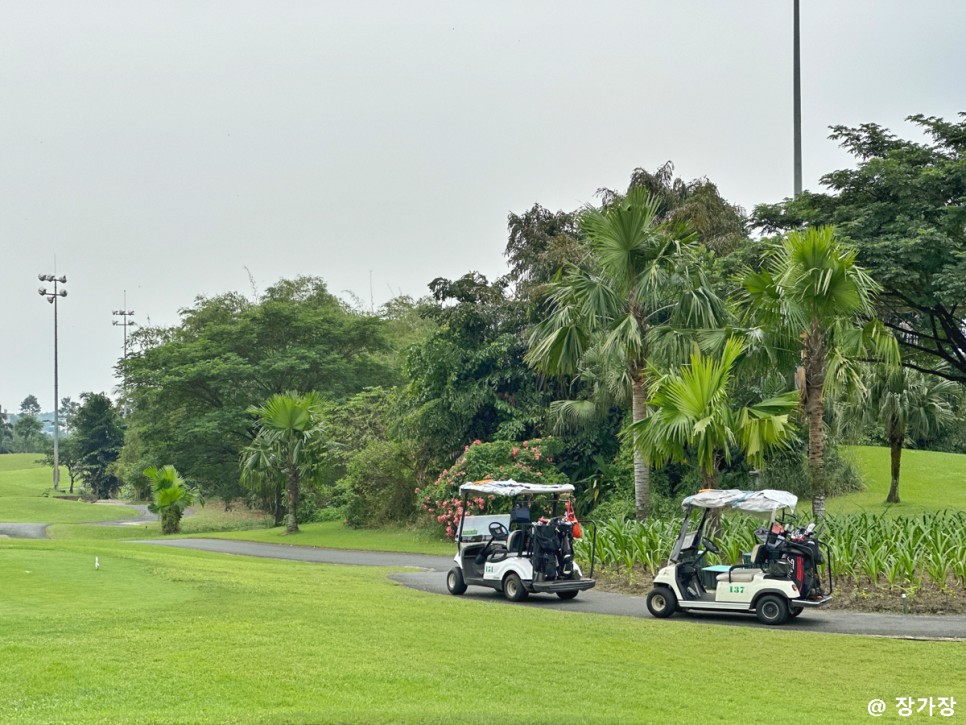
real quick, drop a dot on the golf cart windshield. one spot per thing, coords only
(514, 488)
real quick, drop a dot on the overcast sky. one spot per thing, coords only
(163, 147)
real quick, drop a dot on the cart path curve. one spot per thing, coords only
(39, 531)
(24, 531)
(432, 579)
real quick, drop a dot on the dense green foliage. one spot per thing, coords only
(190, 385)
(903, 207)
(598, 304)
(97, 439)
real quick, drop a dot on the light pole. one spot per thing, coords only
(797, 103)
(124, 322)
(52, 299)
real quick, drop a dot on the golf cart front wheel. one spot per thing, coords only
(454, 581)
(568, 595)
(772, 609)
(513, 588)
(661, 602)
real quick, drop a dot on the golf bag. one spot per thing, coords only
(553, 550)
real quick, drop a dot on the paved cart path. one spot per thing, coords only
(432, 579)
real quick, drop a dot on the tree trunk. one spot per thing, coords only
(293, 496)
(896, 439)
(642, 476)
(279, 515)
(815, 410)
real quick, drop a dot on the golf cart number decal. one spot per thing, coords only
(489, 569)
(736, 589)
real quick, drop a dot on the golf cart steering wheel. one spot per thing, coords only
(709, 545)
(498, 530)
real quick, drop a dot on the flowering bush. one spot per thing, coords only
(530, 461)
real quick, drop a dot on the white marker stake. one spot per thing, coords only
(97, 562)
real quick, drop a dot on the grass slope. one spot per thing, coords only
(181, 636)
(22, 483)
(928, 481)
(333, 534)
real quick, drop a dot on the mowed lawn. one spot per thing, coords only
(23, 480)
(163, 635)
(928, 481)
(333, 534)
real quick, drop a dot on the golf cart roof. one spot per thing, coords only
(763, 501)
(514, 488)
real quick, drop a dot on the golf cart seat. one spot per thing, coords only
(516, 542)
(738, 575)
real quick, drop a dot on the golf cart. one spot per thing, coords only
(779, 579)
(511, 553)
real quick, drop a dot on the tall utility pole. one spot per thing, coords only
(124, 322)
(797, 73)
(52, 299)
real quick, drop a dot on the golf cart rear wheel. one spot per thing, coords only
(772, 609)
(568, 595)
(513, 588)
(454, 581)
(795, 611)
(661, 602)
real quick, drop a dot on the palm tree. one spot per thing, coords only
(812, 291)
(290, 446)
(171, 497)
(907, 403)
(693, 418)
(634, 280)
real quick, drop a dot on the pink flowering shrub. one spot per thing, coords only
(530, 461)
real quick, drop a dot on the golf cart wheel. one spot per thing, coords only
(795, 611)
(513, 588)
(661, 602)
(454, 581)
(772, 610)
(568, 595)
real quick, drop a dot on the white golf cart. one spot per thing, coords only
(778, 579)
(511, 553)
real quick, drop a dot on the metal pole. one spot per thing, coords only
(797, 72)
(56, 401)
(51, 297)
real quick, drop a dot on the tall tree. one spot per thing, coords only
(635, 281)
(908, 404)
(812, 290)
(467, 381)
(188, 387)
(698, 204)
(30, 406)
(98, 437)
(28, 434)
(903, 207)
(291, 445)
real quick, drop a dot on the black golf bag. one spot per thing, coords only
(553, 550)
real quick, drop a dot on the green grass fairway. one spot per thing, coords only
(22, 483)
(928, 481)
(162, 635)
(333, 534)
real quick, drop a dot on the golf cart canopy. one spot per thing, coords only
(768, 500)
(514, 488)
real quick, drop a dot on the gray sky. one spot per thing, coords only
(162, 147)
